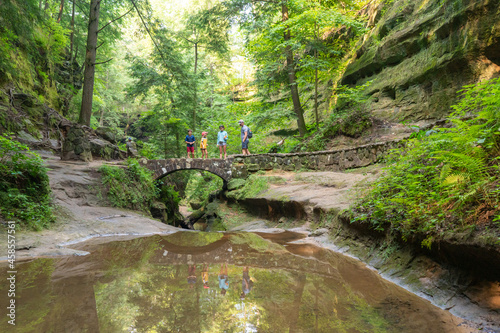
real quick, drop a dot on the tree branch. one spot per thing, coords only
(149, 33)
(102, 62)
(187, 40)
(83, 12)
(115, 20)
(98, 46)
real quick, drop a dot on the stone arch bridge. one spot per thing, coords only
(240, 166)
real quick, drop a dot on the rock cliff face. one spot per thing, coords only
(419, 53)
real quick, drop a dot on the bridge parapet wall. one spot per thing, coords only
(331, 160)
(161, 168)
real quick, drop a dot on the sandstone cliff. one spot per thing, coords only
(419, 53)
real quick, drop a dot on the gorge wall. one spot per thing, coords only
(419, 53)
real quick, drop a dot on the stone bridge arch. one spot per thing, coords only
(218, 167)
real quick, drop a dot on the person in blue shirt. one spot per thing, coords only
(222, 141)
(190, 141)
(244, 138)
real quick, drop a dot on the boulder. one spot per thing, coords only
(104, 149)
(107, 134)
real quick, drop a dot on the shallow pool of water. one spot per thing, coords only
(214, 282)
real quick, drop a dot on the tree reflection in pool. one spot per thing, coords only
(171, 284)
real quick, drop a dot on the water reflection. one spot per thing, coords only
(214, 282)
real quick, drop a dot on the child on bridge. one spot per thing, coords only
(203, 145)
(190, 141)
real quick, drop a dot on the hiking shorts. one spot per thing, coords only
(244, 144)
(190, 149)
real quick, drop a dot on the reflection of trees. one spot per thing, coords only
(140, 285)
(32, 308)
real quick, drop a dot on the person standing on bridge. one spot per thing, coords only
(222, 141)
(245, 136)
(204, 145)
(190, 141)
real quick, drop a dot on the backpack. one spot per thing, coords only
(250, 134)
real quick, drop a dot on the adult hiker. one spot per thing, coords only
(222, 141)
(245, 131)
(131, 148)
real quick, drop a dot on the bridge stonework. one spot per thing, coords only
(161, 168)
(331, 160)
(240, 166)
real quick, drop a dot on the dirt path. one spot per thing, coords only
(81, 213)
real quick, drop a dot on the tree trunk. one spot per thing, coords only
(90, 56)
(292, 78)
(101, 119)
(72, 35)
(195, 85)
(316, 90)
(316, 77)
(61, 8)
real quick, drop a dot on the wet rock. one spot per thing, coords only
(159, 211)
(318, 232)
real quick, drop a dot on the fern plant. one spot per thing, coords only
(446, 179)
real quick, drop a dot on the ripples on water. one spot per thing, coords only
(177, 283)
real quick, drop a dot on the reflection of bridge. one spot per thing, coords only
(239, 166)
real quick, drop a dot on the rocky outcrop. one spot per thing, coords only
(81, 143)
(418, 54)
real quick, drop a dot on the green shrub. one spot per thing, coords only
(445, 179)
(132, 187)
(24, 186)
(254, 185)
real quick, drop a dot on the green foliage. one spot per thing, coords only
(254, 185)
(350, 118)
(32, 45)
(446, 179)
(132, 187)
(24, 186)
(200, 185)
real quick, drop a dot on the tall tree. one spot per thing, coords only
(292, 78)
(90, 58)
(206, 29)
(91, 53)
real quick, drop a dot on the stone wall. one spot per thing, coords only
(82, 143)
(332, 160)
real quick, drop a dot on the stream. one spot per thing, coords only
(213, 282)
